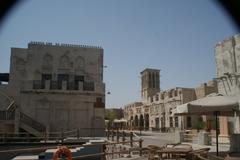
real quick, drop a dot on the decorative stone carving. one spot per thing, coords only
(79, 63)
(47, 64)
(64, 62)
(20, 65)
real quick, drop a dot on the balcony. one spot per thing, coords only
(62, 86)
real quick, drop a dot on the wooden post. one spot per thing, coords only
(108, 133)
(4, 137)
(140, 147)
(131, 139)
(28, 137)
(103, 157)
(117, 135)
(78, 133)
(62, 135)
(123, 136)
(112, 135)
(45, 137)
(216, 123)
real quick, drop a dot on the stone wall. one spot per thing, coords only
(60, 86)
(227, 56)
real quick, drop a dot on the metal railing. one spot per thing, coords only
(32, 123)
(55, 137)
(104, 153)
(128, 138)
(7, 115)
(189, 137)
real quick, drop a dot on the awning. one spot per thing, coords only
(120, 120)
(225, 105)
(213, 104)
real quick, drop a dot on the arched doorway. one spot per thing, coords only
(157, 123)
(146, 121)
(162, 124)
(141, 121)
(131, 124)
(136, 121)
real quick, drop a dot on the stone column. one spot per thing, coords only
(236, 123)
(80, 86)
(223, 127)
(47, 84)
(64, 85)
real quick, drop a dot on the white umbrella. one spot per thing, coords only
(213, 104)
(225, 105)
(119, 120)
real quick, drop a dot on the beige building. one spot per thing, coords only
(227, 56)
(58, 87)
(155, 112)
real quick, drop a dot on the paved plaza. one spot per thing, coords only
(160, 139)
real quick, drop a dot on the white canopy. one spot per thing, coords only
(225, 105)
(213, 104)
(119, 120)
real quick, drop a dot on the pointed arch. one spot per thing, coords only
(47, 62)
(64, 62)
(79, 63)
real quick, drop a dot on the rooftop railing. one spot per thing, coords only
(33, 43)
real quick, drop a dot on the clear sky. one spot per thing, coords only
(176, 36)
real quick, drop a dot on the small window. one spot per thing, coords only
(99, 99)
(76, 80)
(170, 94)
(189, 124)
(162, 96)
(151, 99)
(176, 121)
(46, 77)
(171, 121)
(88, 86)
(63, 77)
(157, 97)
(175, 93)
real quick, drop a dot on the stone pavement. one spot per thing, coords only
(160, 139)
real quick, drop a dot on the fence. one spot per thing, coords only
(190, 136)
(124, 143)
(61, 136)
(128, 140)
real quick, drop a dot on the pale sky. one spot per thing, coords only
(175, 36)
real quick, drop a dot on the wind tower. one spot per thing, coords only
(150, 79)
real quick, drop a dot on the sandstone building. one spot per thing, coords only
(155, 111)
(227, 57)
(58, 87)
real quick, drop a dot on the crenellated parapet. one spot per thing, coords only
(34, 43)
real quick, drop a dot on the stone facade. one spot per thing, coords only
(150, 83)
(59, 85)
(156, 109)
(227, 56)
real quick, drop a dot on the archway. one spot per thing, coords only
(136, 121)
(146, 121)
(141, 121)
(131, 124)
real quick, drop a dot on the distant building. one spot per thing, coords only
(58, 86)
(118, 112)
(155, 111)
(150, 83)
